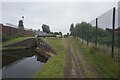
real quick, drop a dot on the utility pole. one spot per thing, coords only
(113, 32)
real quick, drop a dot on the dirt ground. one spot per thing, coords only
(72, 70)
(77, 66)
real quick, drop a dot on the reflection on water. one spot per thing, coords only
(21, 64)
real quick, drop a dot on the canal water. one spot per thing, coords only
(21, 63)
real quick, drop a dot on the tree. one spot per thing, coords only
(38, 29)
(46, 28)
(67, 34)
(87, 32)
(20, 24)
(56, 33)
(31, 29)
(60, 33)
(71, 27)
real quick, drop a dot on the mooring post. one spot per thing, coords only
(113, 32)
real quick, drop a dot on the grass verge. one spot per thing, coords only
(54, 68)
(12, 41)
(12, 48)
(106, 66)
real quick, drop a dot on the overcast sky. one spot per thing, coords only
(58, 15)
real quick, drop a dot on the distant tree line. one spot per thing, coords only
(87, 32)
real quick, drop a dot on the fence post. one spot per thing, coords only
(113, 32)
(96, 32)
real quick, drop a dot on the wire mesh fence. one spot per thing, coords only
(106, 29)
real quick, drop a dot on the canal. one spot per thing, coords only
(21, 63)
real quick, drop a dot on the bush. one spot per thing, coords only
(93, 50)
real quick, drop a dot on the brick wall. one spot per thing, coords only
(6, 30)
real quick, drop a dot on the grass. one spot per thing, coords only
(103, 48)
(54, 68)
(10, 37)
(12, 48)
(12, 41)
(106, 66)
(82, 61)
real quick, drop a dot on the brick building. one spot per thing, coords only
(8, 30)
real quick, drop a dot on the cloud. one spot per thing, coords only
(58, 15)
